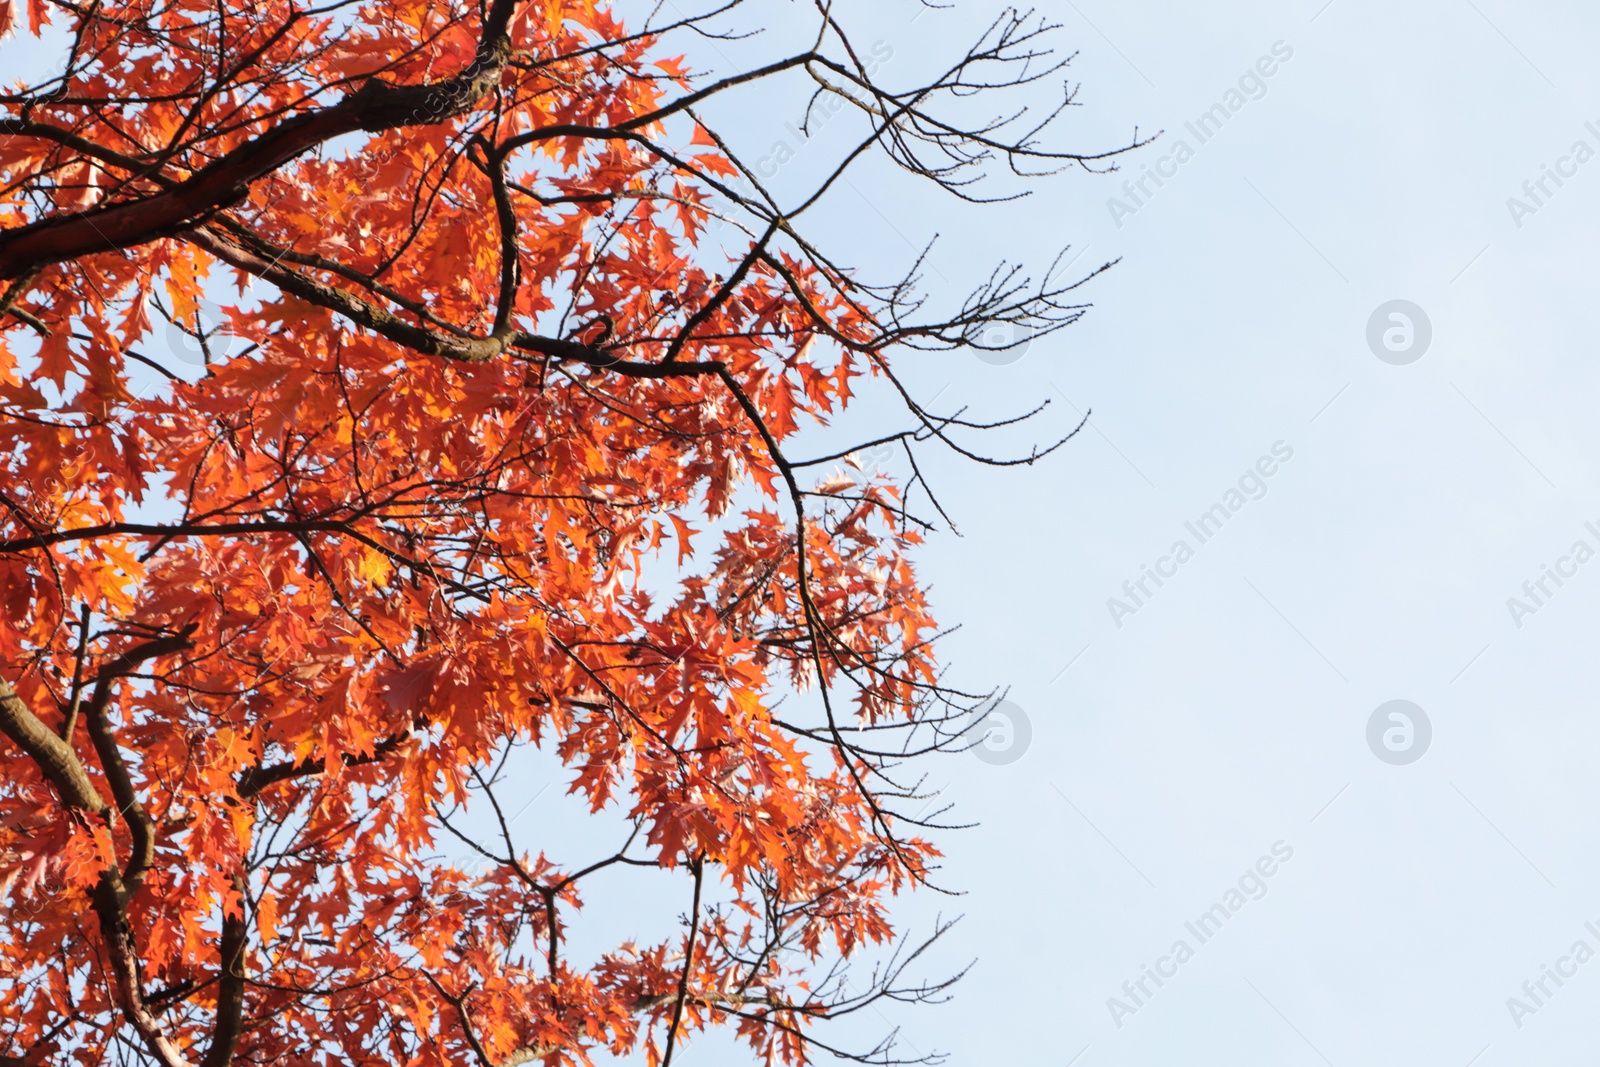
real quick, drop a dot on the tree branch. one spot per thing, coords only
(53, 756)
(376, 106)
(142, 853)
(698, 865)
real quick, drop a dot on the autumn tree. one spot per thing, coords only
(489, 441)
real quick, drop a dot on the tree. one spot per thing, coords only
(466, 359)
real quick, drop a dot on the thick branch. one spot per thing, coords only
(420, 339)
(231, 985)
(376, 106)
(256, 779)
(123, 955)
(143, 850)
(53, 755)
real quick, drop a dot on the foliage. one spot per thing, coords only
(468, 361)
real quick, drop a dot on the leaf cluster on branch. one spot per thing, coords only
(467, 360)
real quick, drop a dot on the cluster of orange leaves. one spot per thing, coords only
(392, 565)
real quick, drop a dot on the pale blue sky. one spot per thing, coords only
(1230, 712)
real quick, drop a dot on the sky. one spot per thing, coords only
(1236, 718)
(1386, 883)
